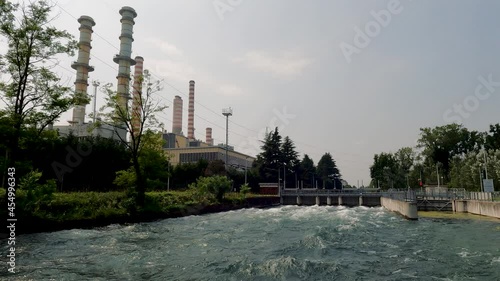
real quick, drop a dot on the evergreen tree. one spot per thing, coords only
(270, 160)
(290, 160)
(307, 171)
(328, 172)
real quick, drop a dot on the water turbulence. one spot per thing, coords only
(284, 243)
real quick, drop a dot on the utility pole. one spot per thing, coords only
(246, 167)
(227, 112)
(485, 164)
(284, 175)
(437, 173)
(481, 179)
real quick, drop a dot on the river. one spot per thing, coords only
(283, 243)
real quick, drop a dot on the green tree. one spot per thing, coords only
(307, 171)
(215, 186)
(270, 160)
(328, 172)
(153, 163)
(384, 170)
(122, 119)
(33, 93)
(493, 138)
(441, 144)
(290, 160)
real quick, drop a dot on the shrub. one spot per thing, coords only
(215, 186)
(244, 189)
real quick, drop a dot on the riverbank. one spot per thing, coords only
(92, 209)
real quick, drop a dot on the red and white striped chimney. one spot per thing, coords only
(191, 111)
(136, 96)
(209, 140)
(177, 120)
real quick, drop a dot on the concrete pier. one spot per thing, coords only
(360, 200)
(340, 200)
(329, 201)
(317, 201)
(299, 200)
(406, 209)
(484, 208)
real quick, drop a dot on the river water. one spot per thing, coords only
(283, 243)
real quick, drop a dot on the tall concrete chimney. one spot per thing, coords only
(136, 96)
(209, 140)
(191, 111)
(82, 66)
(177, 120)
(123, 59)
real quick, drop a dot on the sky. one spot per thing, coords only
(353, 78)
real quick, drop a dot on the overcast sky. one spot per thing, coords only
(305, 66)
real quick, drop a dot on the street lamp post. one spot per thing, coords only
(227, 112)
(95, 84)
(284, 175)
(246, 167)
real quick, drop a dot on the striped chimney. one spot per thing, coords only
(123, 59)
(177, 120)
(136, 96)
(191, 111)
(209, 140)
(82, 66)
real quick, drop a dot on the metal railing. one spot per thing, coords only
(330, 192)
(401, 195)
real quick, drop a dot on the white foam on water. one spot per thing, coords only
(495, 260)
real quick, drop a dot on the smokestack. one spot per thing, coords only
(191, 111)
(209, 140)
(82, 66)
(177, 120)
(136, 97)
(123, 59)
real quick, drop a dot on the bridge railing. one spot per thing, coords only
(333, 192)
(401, 195)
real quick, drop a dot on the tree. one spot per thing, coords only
(122, 119)
(493, 138)
(441, 144)
(307, 170)
(32, 92)
(383, 170)
(290, 159)
(270, 160)
(328, 172)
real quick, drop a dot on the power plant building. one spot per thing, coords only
(186, 149)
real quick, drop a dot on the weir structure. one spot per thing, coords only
(191, 111)
(123, 59)
(82, 67)
(137, 96)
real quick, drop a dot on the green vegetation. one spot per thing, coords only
(453, 151)
(81, 206)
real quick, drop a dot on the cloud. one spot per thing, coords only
(285, 64)
(165, 47)
(230, 90)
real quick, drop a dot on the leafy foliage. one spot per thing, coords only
(215, 186)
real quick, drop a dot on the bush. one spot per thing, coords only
(244, 189)
(215, 186)
(36, 193)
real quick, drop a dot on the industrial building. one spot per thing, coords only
(182, 149)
